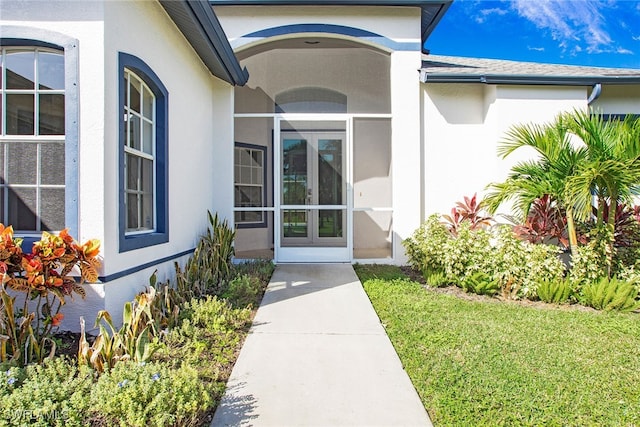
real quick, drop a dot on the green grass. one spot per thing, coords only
(491, 363)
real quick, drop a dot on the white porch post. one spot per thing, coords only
(405, 148)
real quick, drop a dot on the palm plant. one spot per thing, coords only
(612, 172)
(557, 160)
(603, 162)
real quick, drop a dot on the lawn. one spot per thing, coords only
(488, 362)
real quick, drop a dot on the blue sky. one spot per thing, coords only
(602, 33)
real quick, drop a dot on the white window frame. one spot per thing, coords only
(262, 150)
(128, 149)
(35, 138)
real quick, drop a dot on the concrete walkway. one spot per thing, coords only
(317, 355)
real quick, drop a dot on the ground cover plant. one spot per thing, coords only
(484, 362)
(165, 364)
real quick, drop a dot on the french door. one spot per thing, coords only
(313, 195)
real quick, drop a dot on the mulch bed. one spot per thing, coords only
(460, 293)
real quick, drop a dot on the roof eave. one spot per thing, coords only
(427, 28)
(528, 79)
(198, 23)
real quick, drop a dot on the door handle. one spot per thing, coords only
(309, 196)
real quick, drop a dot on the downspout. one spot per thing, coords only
(595, 94)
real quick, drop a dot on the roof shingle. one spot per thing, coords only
(437, 68)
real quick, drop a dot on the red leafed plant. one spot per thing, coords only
(468, 210)
(44, 277)
(545, 221)
(627, 224)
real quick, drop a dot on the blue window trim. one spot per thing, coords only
(620, 116)
(262, 224)
(161, 205)
(138, 268)
(14, 35)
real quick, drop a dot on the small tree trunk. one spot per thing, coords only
(601, 207)
(571, 231)
(611, 225)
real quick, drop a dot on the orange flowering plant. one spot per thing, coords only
(43, 276)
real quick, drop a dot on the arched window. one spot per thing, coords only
(311, 100)
(143, 156)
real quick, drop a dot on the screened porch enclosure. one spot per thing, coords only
(313, 154)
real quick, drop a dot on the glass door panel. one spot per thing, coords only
(295, 223)
(313, 189)
(330, 223)
(330, 180)
(294, 171)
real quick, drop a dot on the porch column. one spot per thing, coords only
(405, 146)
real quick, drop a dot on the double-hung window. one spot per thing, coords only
(143, 156)
(139, 157)
(249, 170)
(32, 138)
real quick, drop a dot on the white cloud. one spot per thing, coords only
(624, 51)
(573, 24)
(636, 38)
(485, 13)
(538, 49)
(494, 11)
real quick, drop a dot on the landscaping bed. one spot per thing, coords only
(166, 364)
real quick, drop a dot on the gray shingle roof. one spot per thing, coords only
(449, 69)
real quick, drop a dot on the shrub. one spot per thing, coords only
(44, 276)
(133, 341)
(243, 291)
(436, 278)
(521, 265)
(214, 314)
(165, 307)
(152, 394)
(260, 269)
(610, 294)
(481, 283)
(516, 265)
(589, 263)
(424, 247)
(468, 253)
(210, 264)
(55, 393)
(207, 338)
(554, 291)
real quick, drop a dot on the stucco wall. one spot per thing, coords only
(618, 99)
(200, 149)
(84, 23)
(396, 23)
(462, 124)
(200, 141)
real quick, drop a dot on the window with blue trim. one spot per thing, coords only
(32, 138)
(249, 184)
(143, 156)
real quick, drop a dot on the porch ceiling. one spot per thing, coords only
(301, 43)
(432, 10)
